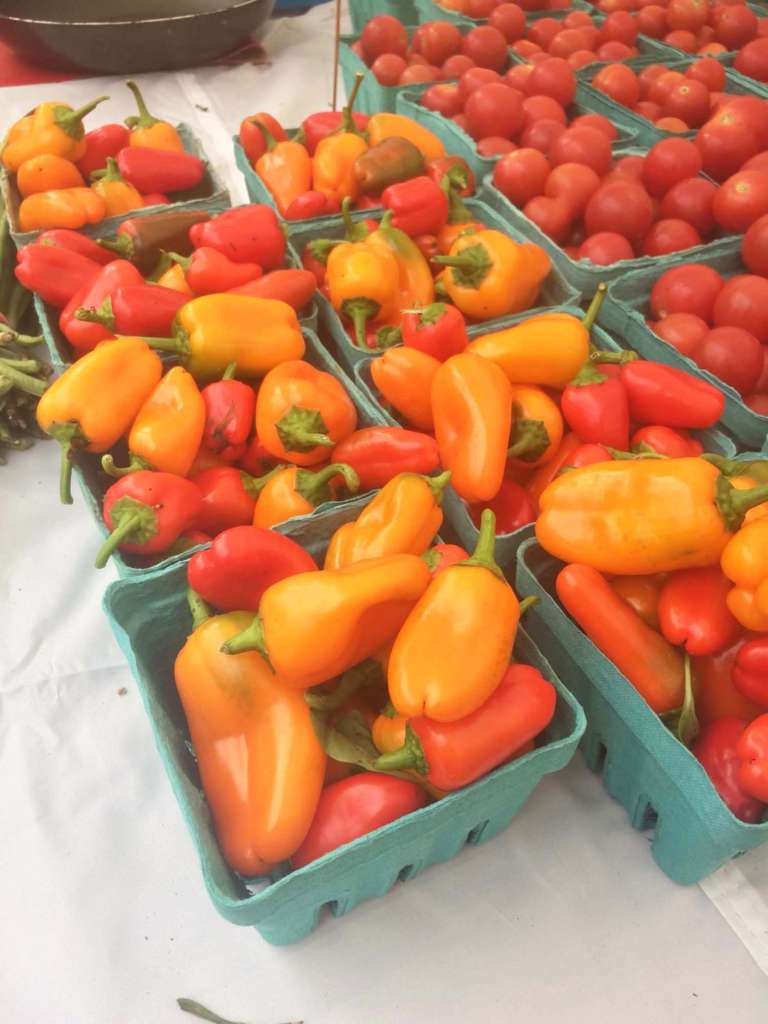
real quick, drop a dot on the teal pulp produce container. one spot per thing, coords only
(554, 292)
(361, 11)
(151, 621)
(428, 10)
(211, 194)
(458, 526)
(751, 86)
(583, 275)
(626, 307)
(659, 782)
(457, 141)
(94, 482)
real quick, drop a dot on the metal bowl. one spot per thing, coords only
(129, 36)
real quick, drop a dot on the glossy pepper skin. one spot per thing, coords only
(285, 168)
(716, 747)
(228, 497)
(750, 670)
(314, 626)
(537, 429)
(207, 270)
(146, 513)
(387, 162)
(61, 208)
(586, 455)
(294, 286)
(253, 139)
(752, 751)
(364, 284)
(312, 204)
(416, 285)
(402, 518)
(73, 241)
(377, 454)
(404, 377)
(45, 172)
(156, 170)
(596, 407)
(241, 563)
(84, 334)
(148, 131)
(745, 563)
(319, 126)
(353, 807)
(548, 350)
(230, 406)
(454, 754)
(642, 594)
(716, 690)
(143, 240)
(167, 430)
(95, 401)
(693, 612)
(213, 331)
(674, 398)
(650, 663)
(491, 275)
(419, 206)
(301, 412)
(249, 234)
(297, 492)
(104, 141)
(53, 273)
(119, 195)
(333, 163)
(260, 763)
(439, 330)
(53, 128)
(137, 309)
(429, 672)
(614, 516)
(512, 506)
(675, 444)
(385, 126)
(472, 408)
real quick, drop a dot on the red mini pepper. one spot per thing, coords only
(312, 204)
(252, 138)
(155, 199)
(248, 234)
(230, 406)
(453, 754)
(419, 206)
(752, 751)
(750, 670)
(454, 173)
(587, 455)
(159, 170)
(291, 285)
(675, 444)
(377, 454)
(100, 144)
(716, 748)
(311, 263)
(83, 335)
(317, 127)
(54, 273)
(242, 563)
(438, 329)
(207, 270)
(143, 310)
(512, 505)
(147, 512)
(442, 556)
(228, 497)
(673, 398)
(693, 613)
(75, 241)
(354, 807)
(596, 407)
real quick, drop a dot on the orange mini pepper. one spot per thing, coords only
(53, 128)
(61, 208)
(402, 519)
(364, 284)
(430, 672)
(301, 412)
(491, 275)
(298, 492)
(404, 377)
(537, 430)
(544, 474)
(745, 562)
(333, 163)
(261, 764)
(148, 131)
(388, 731)
(119, 196)
(387, 126)
(46, 172)
(450, 232)
(642, 593)
(417, 285)
(316, 625)
(168, 428)
(285, 168)
(472, 408)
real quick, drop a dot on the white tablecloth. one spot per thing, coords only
(104, 916)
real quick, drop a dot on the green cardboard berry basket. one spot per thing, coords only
(211, 194)
(583, 275)
(659, 782)
(750, 86)
(428, 10)
(150, 620)
(458, 526)
(624, 312)
(94, 482)
(554, 292)
(361, 11)
(457, 141)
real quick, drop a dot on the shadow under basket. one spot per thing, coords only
(151, 621)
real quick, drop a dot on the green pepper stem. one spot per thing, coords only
(175, 344)
(367, 673)
(347, 121)
(65, 473)
(229, 372)
(250, 639)
(182, 261)
(314, 486)
(594, 307)
(145, 119)
(526, 603)
(135, 464)
(254, 485)
(199, 609)
(360, 311)
(269, 139)
(120, 533)
(109, 173)
(530, 439)
(437, 485)
(409, 756)
(486, 543)
(71, 121)
(615, 358)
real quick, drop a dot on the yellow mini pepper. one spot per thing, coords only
(364, 284)
(745, 562)
(53, 128)
(150, 131)
(119, 196)
(387, 126)
(61, 208)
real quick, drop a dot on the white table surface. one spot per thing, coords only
(104, 916)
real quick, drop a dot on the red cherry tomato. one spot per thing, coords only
(525, 48)
(517, 76)
(671, 124)
(743, 302)
(388, 68)
(541, 135)
(473, 79)
(543, 31)
(598, 121)
(521, 175)
(494, 109)
(615, 51)
(683, 331)
(754, 247)
(552, 77)
(663, 84)
(552, 216)
(691, 288)
(460, 120)
(648, 110)
(419, 73)
(437, 41)
(709, 72)
(687, 14)
(542, 108)
(582, 146)
(455, 66)
(480, 8)
(619, 27)
(668, 162)
(578, 19)
(416, 58)
(689, 101)
(494, 145)
(486, 46)
(582, 59)
(619, 82)
(648, 76)
(757, 163)
(509, 19)
(691, 200)
(670, 235)
(630, 167)
(735, 25)
(752, 59)
(621, 206)
(444, 98)
(605, 248)
(683, 40)
(732, 135)
(569, 41)
(383, 34)
(732, 354)
(741, 200)
(652, 21)
(574, 185)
